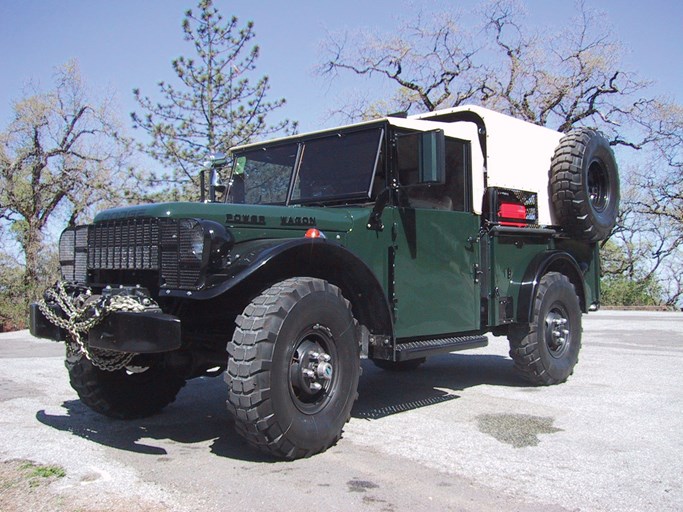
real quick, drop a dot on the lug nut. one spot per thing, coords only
(324, 371)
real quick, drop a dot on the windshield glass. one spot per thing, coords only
(262, 176)
(339, 166)
(330, 168)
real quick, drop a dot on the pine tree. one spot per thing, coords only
(215, 106)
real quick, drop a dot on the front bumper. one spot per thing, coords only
(146, 332)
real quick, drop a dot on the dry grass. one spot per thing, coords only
(25, 485)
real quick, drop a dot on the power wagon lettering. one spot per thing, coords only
(236, 218)
(297, 221)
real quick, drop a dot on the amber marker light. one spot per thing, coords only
(314, 233)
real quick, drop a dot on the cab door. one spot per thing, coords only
(434, 254)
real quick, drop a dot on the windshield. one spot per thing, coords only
(262, 176)
(329, 168)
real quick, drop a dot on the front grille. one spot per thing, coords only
(181, 253)
(73, 254)
(124, 244)
(103, 252)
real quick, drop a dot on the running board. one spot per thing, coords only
(424, 348)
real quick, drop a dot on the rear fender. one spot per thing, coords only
(550, 261)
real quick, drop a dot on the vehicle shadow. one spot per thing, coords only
(383, 393)
(199, 414)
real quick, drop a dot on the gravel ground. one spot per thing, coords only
(460, 433)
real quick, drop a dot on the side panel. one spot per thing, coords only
(587, 256)
(433, 256)
(509, 258)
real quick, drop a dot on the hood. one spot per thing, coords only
(242, 216)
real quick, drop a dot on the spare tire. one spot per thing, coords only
(584, 185)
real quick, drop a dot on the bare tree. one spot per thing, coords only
(662, 179)
(59, 157)
(562, 76)
(429, 58)
(558, 76)
(660, 197)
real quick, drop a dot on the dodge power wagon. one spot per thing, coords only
(393, 240)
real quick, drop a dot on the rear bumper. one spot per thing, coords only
(145, 332)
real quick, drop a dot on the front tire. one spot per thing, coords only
(546, 350)
(123, 394)
(293, 368)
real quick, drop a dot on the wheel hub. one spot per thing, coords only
(315, 369)
(557, 332)
(311, 370)
(598, 186)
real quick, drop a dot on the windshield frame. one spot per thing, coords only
(358, 195)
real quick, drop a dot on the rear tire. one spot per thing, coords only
(293, 368)
(546, 350)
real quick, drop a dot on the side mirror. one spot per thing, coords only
(432, 158)
(216, 187)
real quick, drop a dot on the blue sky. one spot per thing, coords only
(126, 44)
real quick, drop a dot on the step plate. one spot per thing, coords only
(424, 348)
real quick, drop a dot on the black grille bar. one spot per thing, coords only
(174, 249)
(124, 244)
(181, 262)
(73, 254)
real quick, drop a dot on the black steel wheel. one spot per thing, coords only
(546, 350)
(584, 185)
(293, 368)
(128, 393)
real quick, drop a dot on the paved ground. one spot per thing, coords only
(461, 433)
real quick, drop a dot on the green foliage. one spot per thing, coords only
(215, 105)
(626, 280)
(623, 291)
(13, 297)
(41, 471)
(16, 292)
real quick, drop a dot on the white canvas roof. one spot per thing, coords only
(517, 153)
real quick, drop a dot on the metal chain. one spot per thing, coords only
(82, 314)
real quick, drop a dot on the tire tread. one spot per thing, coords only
(568, 192)
(524, 339)
(250, 359)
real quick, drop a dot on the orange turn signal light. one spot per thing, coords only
(314, 233)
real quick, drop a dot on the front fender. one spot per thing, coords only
(246, 259)
(264, 262)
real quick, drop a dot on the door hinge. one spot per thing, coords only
(477, 272)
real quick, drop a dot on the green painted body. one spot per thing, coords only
(442, 261)
(436, 254)
(509, 258)
(436, 268)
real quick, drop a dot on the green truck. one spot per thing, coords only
(392, 240)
